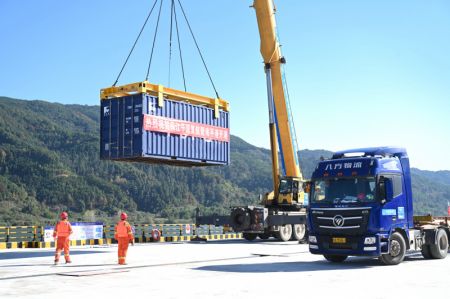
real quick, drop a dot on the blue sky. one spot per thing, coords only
(360, 73)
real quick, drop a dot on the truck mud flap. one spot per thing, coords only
(430, 236)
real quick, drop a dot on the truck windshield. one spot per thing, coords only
(344, 190)
(285, 186)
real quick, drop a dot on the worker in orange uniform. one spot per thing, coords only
(62, 232)
(123, 235)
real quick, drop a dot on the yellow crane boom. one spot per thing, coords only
(271, 53)
(283, 211)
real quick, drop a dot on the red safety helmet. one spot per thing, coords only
(63, 215)
(123, 216)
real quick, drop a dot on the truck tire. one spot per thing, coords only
(299, 231)
(249, 236)
(335, 258)
(439, 250)
(285, 233)
(264, 236)
(397, 250)
(426, 251)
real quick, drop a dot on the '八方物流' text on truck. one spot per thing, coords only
(361, 204)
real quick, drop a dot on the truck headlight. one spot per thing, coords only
(312, 239)
(370, 240)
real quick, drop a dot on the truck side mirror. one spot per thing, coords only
(307, 187)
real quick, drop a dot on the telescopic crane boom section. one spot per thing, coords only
(271, 53)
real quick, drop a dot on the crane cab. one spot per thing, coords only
(290, 192)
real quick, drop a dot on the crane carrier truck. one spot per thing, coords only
(282, 212)
(361, 204)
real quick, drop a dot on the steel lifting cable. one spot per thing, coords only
(173, 16)
(179, 44)
(154, 40)
(170, 37)
(288, 98)
(289, 105)
(135, 42)
(198, 49)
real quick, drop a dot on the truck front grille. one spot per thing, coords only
(340, 221)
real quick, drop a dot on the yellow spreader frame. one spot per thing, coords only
(160, 91)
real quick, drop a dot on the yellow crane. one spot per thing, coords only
(283, 214)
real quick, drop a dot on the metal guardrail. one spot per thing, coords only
(20, 233)
(33, 236)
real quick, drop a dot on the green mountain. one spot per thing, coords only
(49, 161)
(431, 191)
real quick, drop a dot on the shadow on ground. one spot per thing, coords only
(62, 264)
(311, 266)
(239, 241)
(292, 266)
(33, 254)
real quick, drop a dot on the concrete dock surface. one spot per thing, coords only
(218, 269)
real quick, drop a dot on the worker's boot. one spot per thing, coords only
(57, 256)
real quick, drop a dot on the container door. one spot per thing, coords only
(127, 150)
(105, 129)
(114, 128)
(136, 127)
(121, 137)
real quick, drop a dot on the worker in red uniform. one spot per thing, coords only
(124, 235)
(62, 232)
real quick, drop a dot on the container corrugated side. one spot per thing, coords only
(134, 128)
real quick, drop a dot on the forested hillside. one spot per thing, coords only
(49, 161)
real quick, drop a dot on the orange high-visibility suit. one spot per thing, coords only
(123, 235)
(62, 231)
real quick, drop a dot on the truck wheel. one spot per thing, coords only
(335, 258)
(264, 236)
(426, 251)
(439, 250)
(249, 236)
(285, 233)
(397, 250)
(299, 231)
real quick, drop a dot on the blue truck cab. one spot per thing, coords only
(361, 204)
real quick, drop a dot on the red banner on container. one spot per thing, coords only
(448, 210)
(185, 128)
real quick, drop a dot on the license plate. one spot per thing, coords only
(339, 240)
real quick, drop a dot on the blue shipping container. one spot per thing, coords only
(134, 128)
